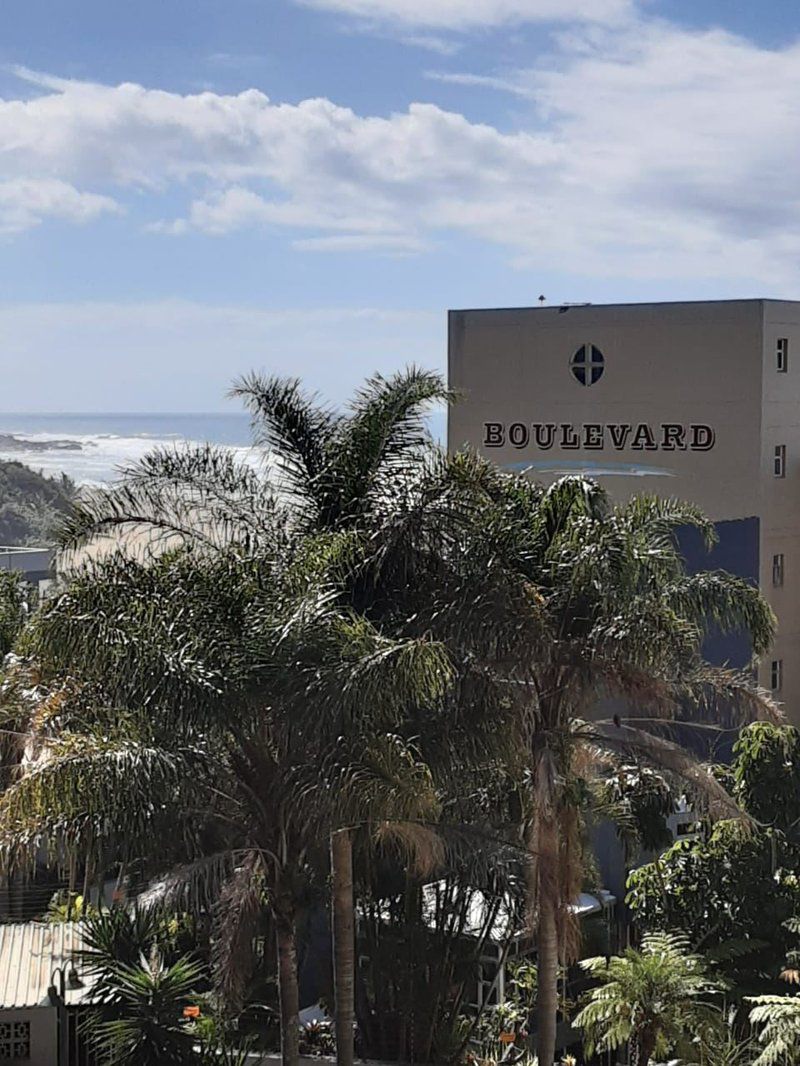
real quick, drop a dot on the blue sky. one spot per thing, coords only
(193, 188)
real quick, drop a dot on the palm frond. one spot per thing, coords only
(236, 917)
(295, 430)
(199, 495)
(86, 788)
(635, 745)
(386, 426)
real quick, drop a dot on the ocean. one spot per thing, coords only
(101, 444)
(92, 448)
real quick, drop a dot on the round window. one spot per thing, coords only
(588, 364)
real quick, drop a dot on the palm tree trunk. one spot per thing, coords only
(547, 938)
(344, 958)
(288, 990)
(644, 1049)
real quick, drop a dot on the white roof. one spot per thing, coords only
(479, 910)
(586, 904)
(29, 953)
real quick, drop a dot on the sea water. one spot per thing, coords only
(108, 443)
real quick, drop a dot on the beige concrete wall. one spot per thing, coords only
(664, 363)
(780, 498)
(712, 363)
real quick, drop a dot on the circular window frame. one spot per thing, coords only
(587, 365)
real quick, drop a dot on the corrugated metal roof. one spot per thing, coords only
(29, 953)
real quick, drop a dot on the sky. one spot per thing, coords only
(191, 189)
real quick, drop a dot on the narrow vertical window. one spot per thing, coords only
(777, 569)
(776, 675)
(779, 468)
(782, 354)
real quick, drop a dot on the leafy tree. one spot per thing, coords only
(31, 504)
(766, 776)
(571, 601)
(658, 1000)
(640, 801)
(737, 884)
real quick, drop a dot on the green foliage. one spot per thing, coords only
(15, 599)
(510, 1018)
(766, 772)
(69, 907)
(30, 504)
(778, 1020)
(141, 994)
(734, 884)
(640, 801)
(737, 882)
(142, 985)
(376, 636)
(659, 999)
(143, 1023)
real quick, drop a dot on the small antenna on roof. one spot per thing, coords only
(542, 300)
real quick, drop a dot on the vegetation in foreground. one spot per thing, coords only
(367, 682)
(31, 504)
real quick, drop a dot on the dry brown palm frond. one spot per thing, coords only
(638, 746)
(237, 918)
(637, 687)
(720, 695)
(193, 886)
(418, 846)
(792, 977)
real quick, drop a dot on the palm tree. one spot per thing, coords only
(345, 472)
(545, 601)
(555, 601)
(656, 1000)
(228, 683)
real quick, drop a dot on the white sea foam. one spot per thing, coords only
(101, 455)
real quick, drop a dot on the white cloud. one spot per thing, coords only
(468, 14)
(362, 242)
(649, 152)
(507, 83)
(26, 202)
(431, 43)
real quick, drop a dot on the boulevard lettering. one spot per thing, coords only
(596, 436)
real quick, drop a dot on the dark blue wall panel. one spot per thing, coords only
(736, 552)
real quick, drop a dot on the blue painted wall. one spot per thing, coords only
(736, 552)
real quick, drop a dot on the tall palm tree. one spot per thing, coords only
(346, 472)
(555, 601)
(657, 1000)
(228, 682)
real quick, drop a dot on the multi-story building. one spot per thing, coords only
(694, 400)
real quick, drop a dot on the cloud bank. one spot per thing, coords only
(468, 14)
(648, 152)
